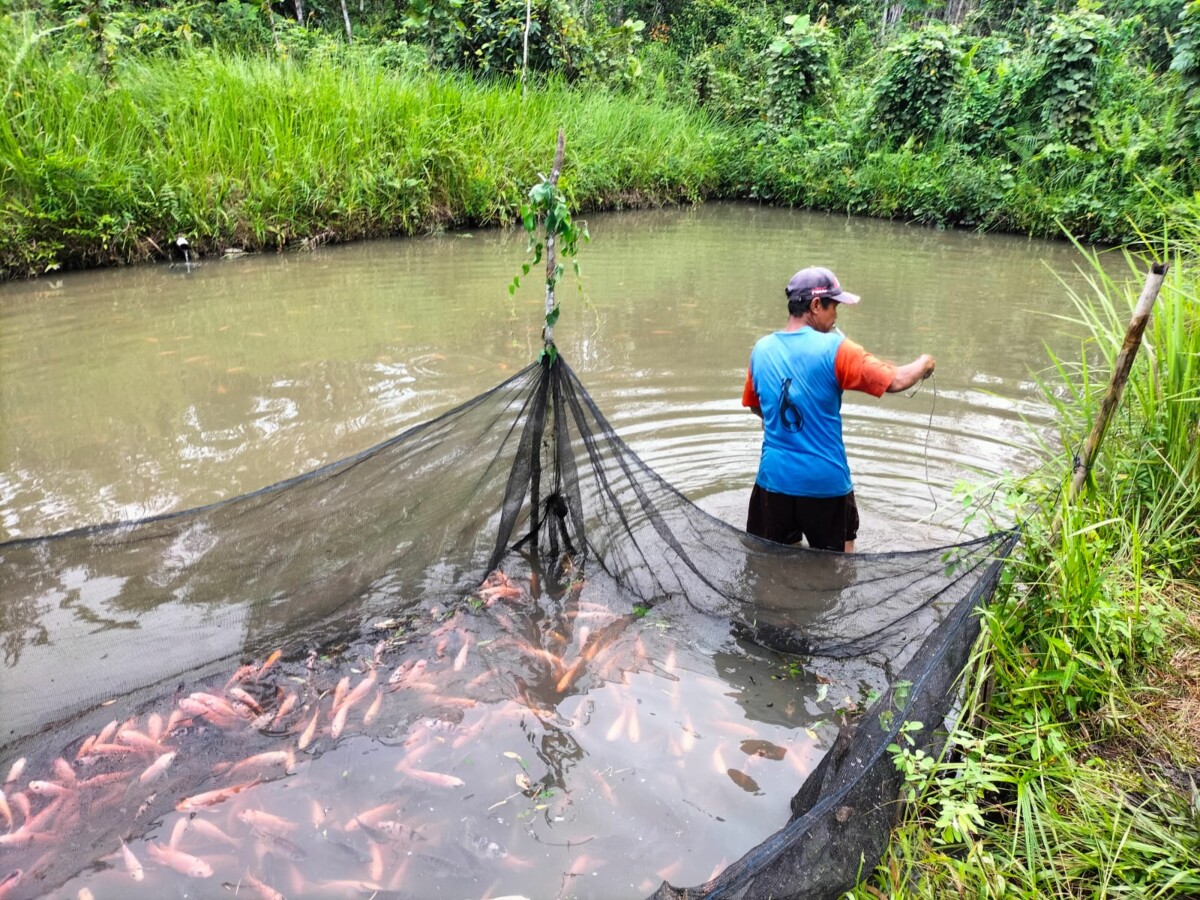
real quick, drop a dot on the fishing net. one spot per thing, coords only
(501, 566)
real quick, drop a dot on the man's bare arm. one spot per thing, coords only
(906, 376)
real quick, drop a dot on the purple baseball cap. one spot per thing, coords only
(817, 281)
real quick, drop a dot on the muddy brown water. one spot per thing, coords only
(126, 393)
(130, 392)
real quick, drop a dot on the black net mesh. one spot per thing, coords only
(511, 555)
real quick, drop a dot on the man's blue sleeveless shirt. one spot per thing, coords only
(794, 375)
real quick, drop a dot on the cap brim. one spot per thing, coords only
(846, 297)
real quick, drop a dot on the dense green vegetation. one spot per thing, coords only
(267, 124)
(1061, 118)
(259, 125)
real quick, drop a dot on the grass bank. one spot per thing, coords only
(261, 151)
(1077, 756)
(256, 153)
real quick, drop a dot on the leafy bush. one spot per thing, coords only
(614, 52)
(915, 87)
(1144, 30)
(1186, 61)
(725, 92)
(1072, 47)
(717, 50)
(491, 40)
(986, 96)
(702, 23)
(492, 37)
(798, 69)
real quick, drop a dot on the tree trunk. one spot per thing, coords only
(270, 14)
(300, 11)
(893, 13)
(956, 11)
(346, 18)
(525, 51)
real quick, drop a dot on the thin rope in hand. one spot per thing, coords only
(928, 430)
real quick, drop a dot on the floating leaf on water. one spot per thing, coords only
(744, 781)
(765, 749)
(523, 781)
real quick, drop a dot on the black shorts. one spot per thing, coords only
(827, 522)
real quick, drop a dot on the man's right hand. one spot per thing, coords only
(917, 370)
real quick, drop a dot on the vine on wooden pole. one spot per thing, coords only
(551, 230)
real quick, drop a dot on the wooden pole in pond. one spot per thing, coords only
(548, 331)
(1121, 370)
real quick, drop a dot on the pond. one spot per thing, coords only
(135, 392)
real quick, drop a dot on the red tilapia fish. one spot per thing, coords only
(183, 863)
(129, 774)
(212, 798)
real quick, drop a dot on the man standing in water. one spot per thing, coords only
(794, 384)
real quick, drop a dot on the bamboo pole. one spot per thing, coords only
(548, 331)
(1116, 387)
(1121, 370)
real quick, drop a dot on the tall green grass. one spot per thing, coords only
(258, 152)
